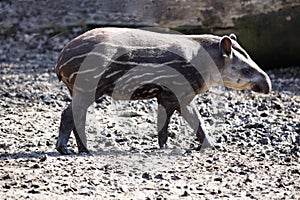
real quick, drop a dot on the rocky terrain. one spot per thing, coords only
(257, 137)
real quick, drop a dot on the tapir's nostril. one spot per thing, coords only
(262, 84)
(263, 87)
(256, 88)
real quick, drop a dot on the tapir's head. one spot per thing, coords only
(239, 70)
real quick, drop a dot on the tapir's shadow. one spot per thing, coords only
(171, 152)
(27, 155)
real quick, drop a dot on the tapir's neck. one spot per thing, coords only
(210, 44)
(212, 62)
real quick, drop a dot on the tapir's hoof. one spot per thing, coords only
(198, 148)
(163, 145)
(205, 143)
(64, 150)
(162, 141)
(84, 151)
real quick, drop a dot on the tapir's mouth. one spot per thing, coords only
(261, 87)
(245, 86)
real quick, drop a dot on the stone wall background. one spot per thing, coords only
(268, 29)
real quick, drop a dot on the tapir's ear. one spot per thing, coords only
(225, 46)
(233, 36)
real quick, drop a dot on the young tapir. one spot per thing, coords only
(137, 64)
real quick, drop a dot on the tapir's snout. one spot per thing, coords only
(263, 84)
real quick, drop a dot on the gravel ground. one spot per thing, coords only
(256, 154)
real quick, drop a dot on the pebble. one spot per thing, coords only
(219, 179)
(158, 176)
(35, 166)
(174, 177)
(43, 158)
(287, 159)
(146, 176)
(265, 141)
(185, 194)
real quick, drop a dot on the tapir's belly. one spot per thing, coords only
(139, 83)
(136, 82)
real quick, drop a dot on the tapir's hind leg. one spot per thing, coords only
(79, 132)
(163, 119)
(191, 114)
(166, 108)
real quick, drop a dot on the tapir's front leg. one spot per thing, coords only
(191, 114)
(65, 129)
(74, 118)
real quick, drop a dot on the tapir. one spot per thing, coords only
(134, 64)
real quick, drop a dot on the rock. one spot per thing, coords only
(265, 141)
(248, 180)
(6, 177)
(43, 158)
(146, 175)
(277, 105)
(35, 166)
(185, 194)
(106, 167)
(219, 179)
(287, 159)
(264, 114)
(124, 189)
(6, 186)
(262, 107)
(297, 140)
(158, 176)
(295, 171)
(33, 191)
(174, 177)
(120, 140)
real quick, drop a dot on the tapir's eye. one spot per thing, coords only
(246, 71)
